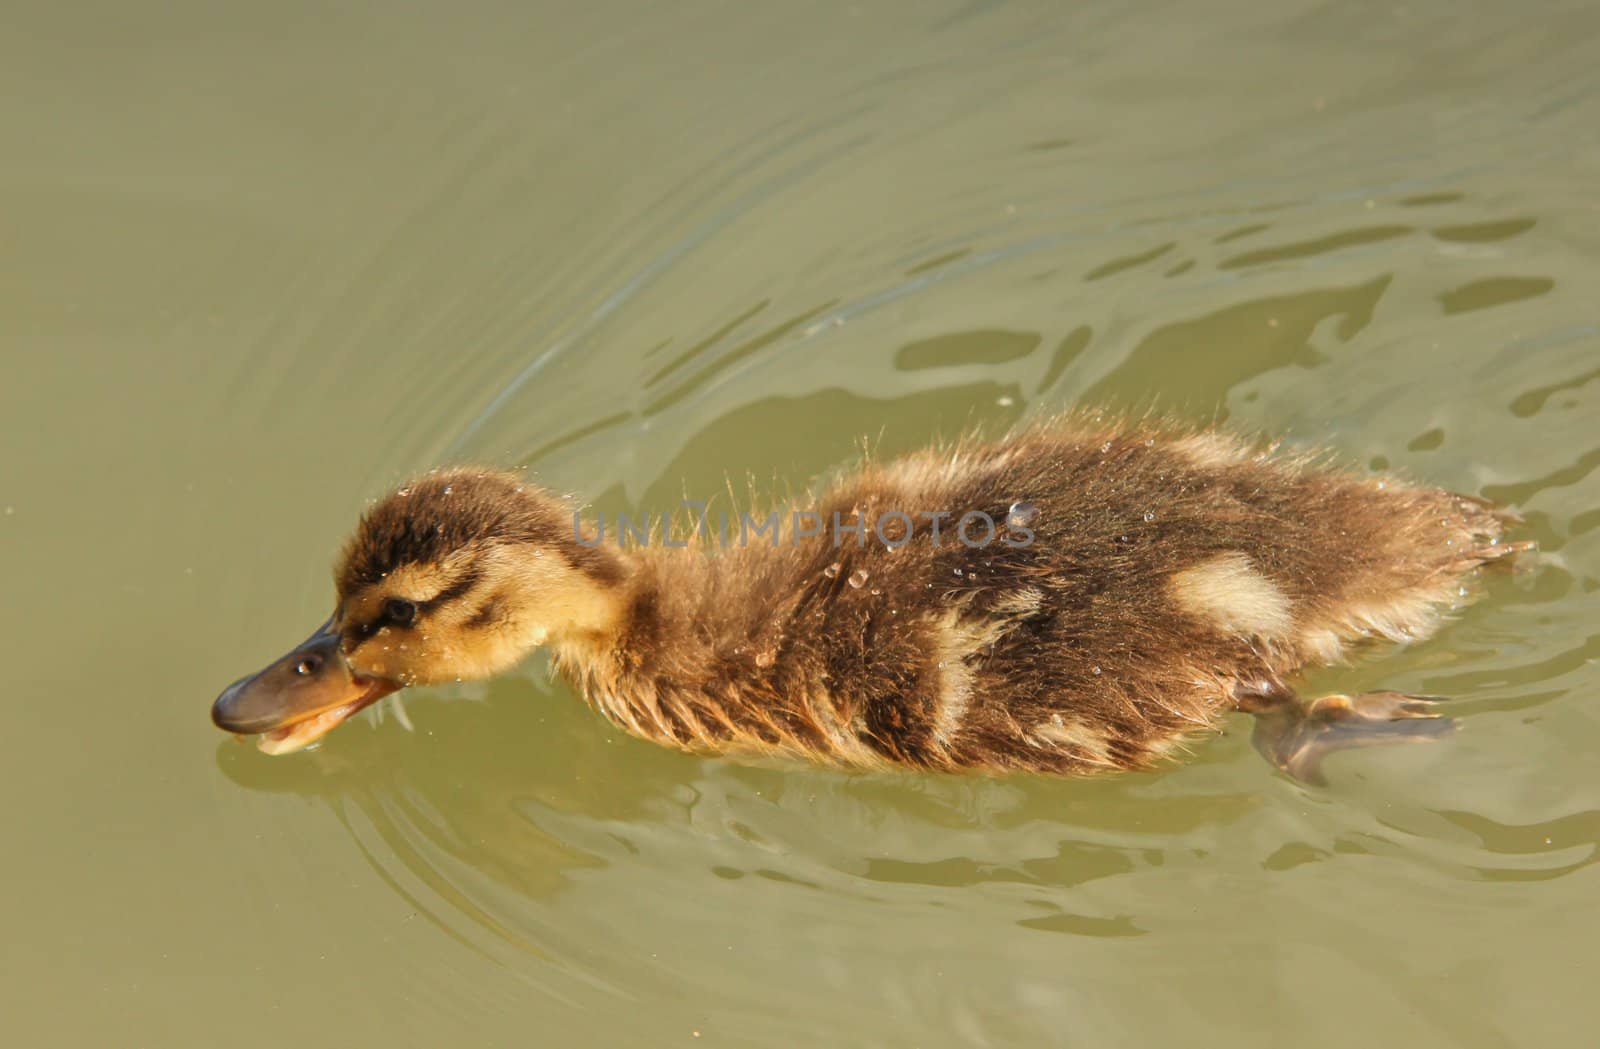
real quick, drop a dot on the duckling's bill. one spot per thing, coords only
(299, 698)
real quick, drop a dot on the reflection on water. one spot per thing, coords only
(257, 269)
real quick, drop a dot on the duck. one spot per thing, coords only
(1082, 594)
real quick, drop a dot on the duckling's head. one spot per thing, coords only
(453, 577)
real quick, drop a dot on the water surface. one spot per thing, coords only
(259, 263)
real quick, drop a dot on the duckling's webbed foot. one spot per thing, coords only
(1295, 735)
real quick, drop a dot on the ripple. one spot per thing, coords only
(676, 275)
(1494, 291)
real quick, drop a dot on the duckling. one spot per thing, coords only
(1077, 596)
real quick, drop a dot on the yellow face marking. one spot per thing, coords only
(531, 596)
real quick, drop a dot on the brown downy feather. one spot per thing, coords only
(1169, 570)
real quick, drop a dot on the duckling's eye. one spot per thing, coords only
(399, 611)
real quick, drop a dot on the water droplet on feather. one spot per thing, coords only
(1021, 515)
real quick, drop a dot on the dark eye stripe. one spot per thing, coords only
(362, 631)
(487, 614)
(468, 580)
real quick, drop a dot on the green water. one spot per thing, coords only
(258, 262)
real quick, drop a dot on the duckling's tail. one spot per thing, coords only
(1419, 549)
(1487, 523)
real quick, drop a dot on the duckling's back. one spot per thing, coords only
(1137, 578)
